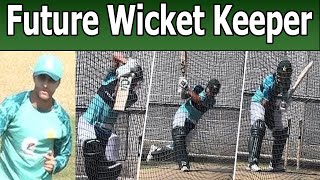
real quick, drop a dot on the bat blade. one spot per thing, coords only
(183, 63)
(300, 78)
(122, 93)
(183, 59)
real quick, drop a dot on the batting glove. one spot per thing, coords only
(128, 68)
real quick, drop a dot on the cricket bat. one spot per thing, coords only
(123, 92)
(183, 63)
(300, 78)
(183, 59)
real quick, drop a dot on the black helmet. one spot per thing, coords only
(214, 86)
(284, 69)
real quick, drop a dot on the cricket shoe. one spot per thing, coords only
(184, 166)
(185, 169)
(275, 168)
(253, 168)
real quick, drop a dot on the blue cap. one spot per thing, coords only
(49, 65)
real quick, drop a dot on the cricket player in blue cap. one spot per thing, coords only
(35, 130)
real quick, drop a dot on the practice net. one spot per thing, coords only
(301, 155)
(91, 70)
(212, 150)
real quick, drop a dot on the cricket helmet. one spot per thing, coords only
(214, 86)
(284, 69)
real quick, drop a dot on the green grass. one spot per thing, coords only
(69, 172)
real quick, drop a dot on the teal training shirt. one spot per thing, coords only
(100, 109)
(27, 135)
(194, 114)
(265, 89)
(269, 89)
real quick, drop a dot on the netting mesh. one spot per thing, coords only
(91, 70)
(213, 148)
(301, 154)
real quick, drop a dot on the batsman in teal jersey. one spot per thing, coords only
(199, 101)
(96, 126)
(266, 111)
(35, 130)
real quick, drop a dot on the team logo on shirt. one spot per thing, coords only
(29, 145)
(51, 134)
